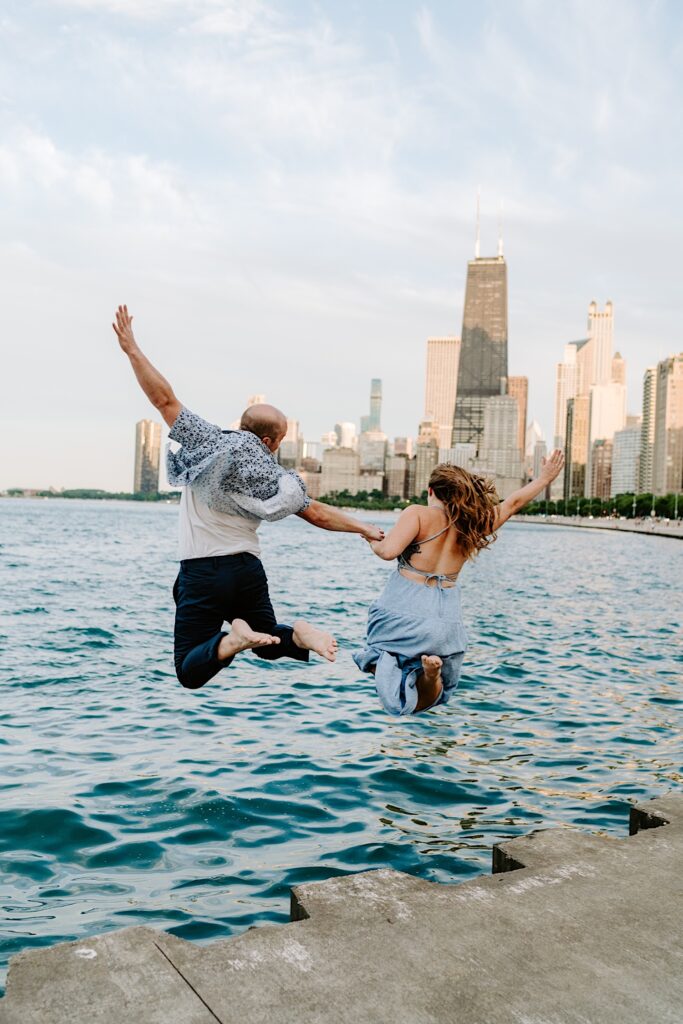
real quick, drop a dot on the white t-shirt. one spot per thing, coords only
(204, 533)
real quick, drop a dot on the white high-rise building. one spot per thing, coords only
(566, 388)
(346, 435)
(500, 451)
(601, 333)
(443, 356)
(329, 440)
(607, 410)
(625, 460)
(607, 414)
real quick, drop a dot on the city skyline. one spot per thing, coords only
(263, 246)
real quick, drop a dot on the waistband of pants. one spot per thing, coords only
(216, 560)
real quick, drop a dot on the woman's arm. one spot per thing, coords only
(156, 387)
(398, 538)
(552, 467)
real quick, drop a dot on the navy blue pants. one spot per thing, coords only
(211, 591)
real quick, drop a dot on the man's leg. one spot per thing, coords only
(295, 641)
(201, 647)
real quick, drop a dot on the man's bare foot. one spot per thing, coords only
(309, 638)
(242, 638)
(429, 682)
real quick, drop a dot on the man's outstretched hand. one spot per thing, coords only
(123, 327)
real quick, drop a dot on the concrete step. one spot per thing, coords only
(570, 929)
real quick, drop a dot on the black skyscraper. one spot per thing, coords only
(483, 366)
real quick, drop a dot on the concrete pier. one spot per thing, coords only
(652, 527)
(570, 929)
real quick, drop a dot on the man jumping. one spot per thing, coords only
(230, 482)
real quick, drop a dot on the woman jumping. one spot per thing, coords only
(416, 639)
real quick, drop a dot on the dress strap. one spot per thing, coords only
(435, 535)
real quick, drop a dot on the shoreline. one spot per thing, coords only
(654, 528)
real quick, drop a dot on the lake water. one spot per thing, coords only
(129, 800)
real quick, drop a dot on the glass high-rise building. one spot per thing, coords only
(374, 420)
(147, 451)
(483, 365)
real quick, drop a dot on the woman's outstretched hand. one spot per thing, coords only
(552, 466)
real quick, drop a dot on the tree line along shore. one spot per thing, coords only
(628, 506)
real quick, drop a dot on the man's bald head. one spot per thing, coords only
(266, 422)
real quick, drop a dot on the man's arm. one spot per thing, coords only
(156, 387)
(329, 518)
(552, 467)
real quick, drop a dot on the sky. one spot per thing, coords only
(284, 194)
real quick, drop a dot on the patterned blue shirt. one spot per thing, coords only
(232, 471)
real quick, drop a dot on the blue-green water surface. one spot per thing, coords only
(129, 800)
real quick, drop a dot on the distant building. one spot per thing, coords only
(540, 452)
(340, 471)
(346, 435)
(441, 385)
(499, 445)
(374, 420)
(329, 440)
(565, 388)
(601, 334)
(667, 461)
(147, 451)
(483, 363)
(464, 455)
(291, 450)
(518, 387)
(426, 458)
(619, 368)
(625, 460)
(372, 448)
(403, 446)
(607, 414)
(601, 469)
(428, 433)
(396, 476)
(576, 446)
(647, 434)
(312, 478)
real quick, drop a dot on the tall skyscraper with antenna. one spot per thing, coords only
(483, 366)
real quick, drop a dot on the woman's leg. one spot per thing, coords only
(429, 682)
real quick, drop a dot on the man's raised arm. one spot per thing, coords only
(156, 387)
(329, 518)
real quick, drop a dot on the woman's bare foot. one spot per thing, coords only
(242, 638)
(310, 638)
(429, 682)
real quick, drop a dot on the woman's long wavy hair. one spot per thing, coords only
(470, 502)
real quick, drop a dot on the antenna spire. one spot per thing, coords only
(476, 244)
(500, 228)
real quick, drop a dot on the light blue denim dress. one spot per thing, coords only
(408, 620)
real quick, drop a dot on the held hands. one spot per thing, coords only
(372, 533)
(123, 328)
(552, 466)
